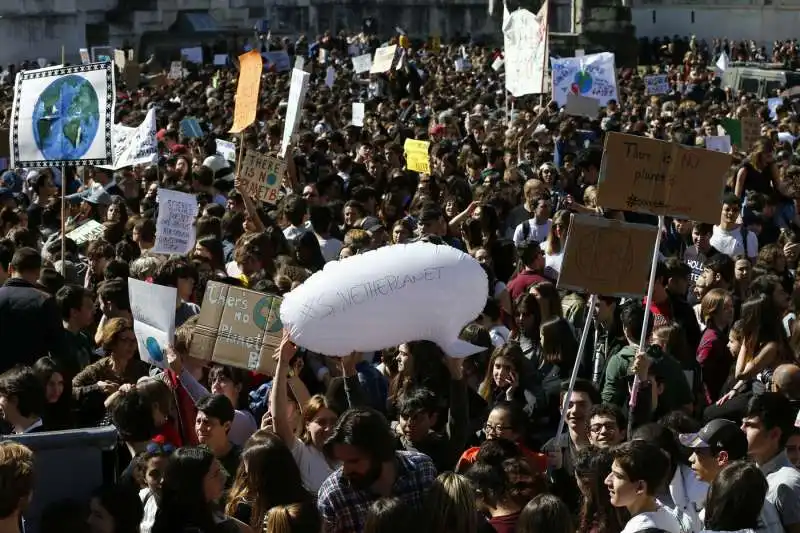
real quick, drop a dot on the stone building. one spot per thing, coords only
(31, 29)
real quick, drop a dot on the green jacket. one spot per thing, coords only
(667, 369)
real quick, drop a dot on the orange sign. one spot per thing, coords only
(250, 68)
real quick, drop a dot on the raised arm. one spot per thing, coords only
(278, 400)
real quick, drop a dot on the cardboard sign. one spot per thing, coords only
(662, 178)
(607, 257)
(751, 132)
(237, 327)
(244, 112)
(417, 156)
(582, 106)
(132, 74)
(384, 58)
(262, 176)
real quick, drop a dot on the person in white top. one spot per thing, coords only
(735, 499)
(536, 228)
(490, 319)
(318, 418)
(638, 471)
(321, 218)
(730, 237)
(717, 445)
(554, 246)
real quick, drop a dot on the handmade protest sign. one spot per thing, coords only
(397, 290)
(226, 149)
(656, 84)
(719, 143)
(193, 54)
(88, 231)
(384, 58)
(751, 132)
(362, 63)
(417, 155)
(525, 49)
(592, 75)
(153, 310)
(582, 106)
(191, 128)
(278, 60)
(175, 232)
(262, 176)
(175, 71)
(63, 116)
(294, 109)
(140, 145)
(358, 114)
(661, 178)
(238, 327)
(244, 113)
(607, 257)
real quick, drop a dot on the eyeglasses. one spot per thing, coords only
(609, 426)
(488, 428)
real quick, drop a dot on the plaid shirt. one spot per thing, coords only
(344, 508)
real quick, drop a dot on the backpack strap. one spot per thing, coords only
(744, 233)
(526, 230)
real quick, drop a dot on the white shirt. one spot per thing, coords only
(731, 243)
(314, 469)
(330, 248)
(659, 519)
(150, 509)
(536, 232)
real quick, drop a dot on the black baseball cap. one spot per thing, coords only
(716, 436)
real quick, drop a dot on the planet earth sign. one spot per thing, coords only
(272, 180)
(66, 118)
(582, 83)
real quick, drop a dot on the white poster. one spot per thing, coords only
(358, 114)
(384, 57)
(88, 231)
(220, 60)
(362, 63)
(525, 51)
(299, 62)
(141, 146)
(175, 231)
(721, 143)
(153, 309)
(297, 95)
(656, 84)
(119, 138)
(175, 71)
(592, 75)
(63, 116)
(226, 149)
(497, 64)
(330, 77)
(84, 53)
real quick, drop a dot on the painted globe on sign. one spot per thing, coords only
(582, 83)
(66, 118)
(154, 350)
(272, 180)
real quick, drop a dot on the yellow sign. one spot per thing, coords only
(250, 67)
(436, 44)
(404, 42)
(417, 158)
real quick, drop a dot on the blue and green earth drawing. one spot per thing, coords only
(66, 118)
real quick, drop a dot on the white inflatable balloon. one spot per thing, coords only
(386, 297)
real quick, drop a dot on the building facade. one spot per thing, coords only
(760, 20)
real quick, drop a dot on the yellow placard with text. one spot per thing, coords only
(250, 68)
(417, 156)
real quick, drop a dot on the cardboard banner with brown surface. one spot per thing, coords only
(238, 327)
(244, 113)
(607, 257)
(262, 176)
(662, 178)
(751, 132)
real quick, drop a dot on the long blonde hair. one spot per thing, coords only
(450, 505)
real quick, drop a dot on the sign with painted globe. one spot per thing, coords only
(63, 116)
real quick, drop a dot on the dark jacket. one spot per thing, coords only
(30, 325)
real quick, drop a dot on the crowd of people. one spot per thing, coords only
(408, 437)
